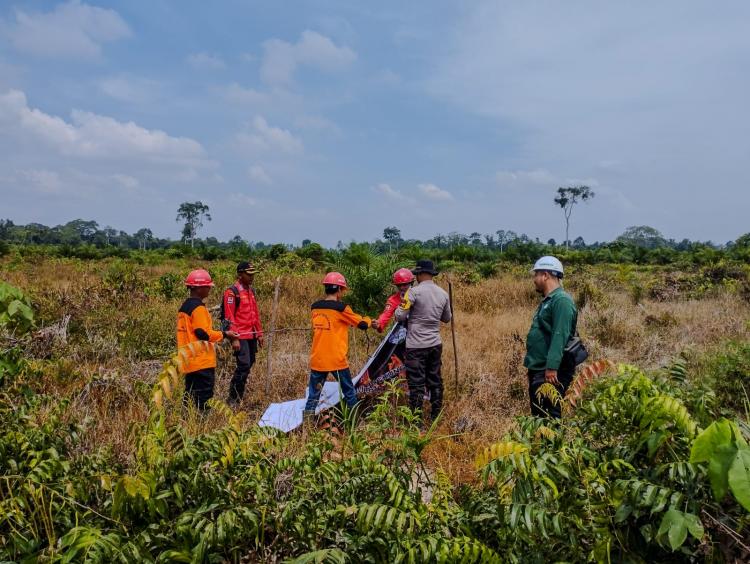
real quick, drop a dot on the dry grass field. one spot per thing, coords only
(121, 329)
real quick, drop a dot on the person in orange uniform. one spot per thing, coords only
(403, 280)
(331, 320)
(194, 324)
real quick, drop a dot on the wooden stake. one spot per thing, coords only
(271, 335)
(453, 334)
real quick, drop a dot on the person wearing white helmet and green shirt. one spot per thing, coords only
(553, 324)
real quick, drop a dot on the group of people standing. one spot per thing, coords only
(420, 308)
(418, 303)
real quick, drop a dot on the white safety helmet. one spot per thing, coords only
(550, 264)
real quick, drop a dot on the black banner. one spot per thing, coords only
(385, 365)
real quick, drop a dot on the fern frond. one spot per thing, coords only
(169, 379)
(501, 450)
(545, 432)
(88, 544)
(664, 408)
(440, 549)
(549, 392)
(376, 518)
(326, 556)
(677, 371)
(586, 375)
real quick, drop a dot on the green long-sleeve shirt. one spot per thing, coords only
(554, 322)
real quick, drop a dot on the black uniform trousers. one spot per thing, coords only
(245, 360)
(423, 370)
(199, 386)
(544, 406)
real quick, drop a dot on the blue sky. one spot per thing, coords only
(331, 120)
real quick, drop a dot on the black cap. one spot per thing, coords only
(425, 266)
(246, 267)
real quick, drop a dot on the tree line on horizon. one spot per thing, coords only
(87, 239)
(88, 232)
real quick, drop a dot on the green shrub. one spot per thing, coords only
(729, 371)
(171, 286)
(368, 275)
(123, 277)
(487, 269)
(609, 330)
(16, 314)
(620, 481)
(313, 251)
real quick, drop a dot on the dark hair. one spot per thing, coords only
(331, 289)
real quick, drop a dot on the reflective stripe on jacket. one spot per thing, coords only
(194, 324)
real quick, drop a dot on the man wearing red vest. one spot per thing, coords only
(241, 315)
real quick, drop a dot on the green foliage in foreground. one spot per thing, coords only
(630, 476)
(15, 309)
(641, 471)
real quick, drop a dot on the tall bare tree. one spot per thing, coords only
(567, 198)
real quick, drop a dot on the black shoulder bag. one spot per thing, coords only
(575, 351)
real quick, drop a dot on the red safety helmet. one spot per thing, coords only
(403, 276)
(335, 279)
(198, 278)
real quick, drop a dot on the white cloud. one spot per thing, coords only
(204, 61)
(390, 193)
(434, 193)
(71, 31)
(651, 105)
(94, 136)
(10, 75)
(264, 137)
(281, 58)
(259, 174)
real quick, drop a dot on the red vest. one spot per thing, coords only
(391, 306)
(243, 317)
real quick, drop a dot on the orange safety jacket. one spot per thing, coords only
(331, 320)
(194, 324)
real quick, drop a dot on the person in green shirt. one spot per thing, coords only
(553, 324)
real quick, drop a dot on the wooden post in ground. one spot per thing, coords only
(453, 335)
(271, 334)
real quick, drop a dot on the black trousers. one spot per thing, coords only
(199, 386)
(245, 359)
(544, 406)
(423, 371)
